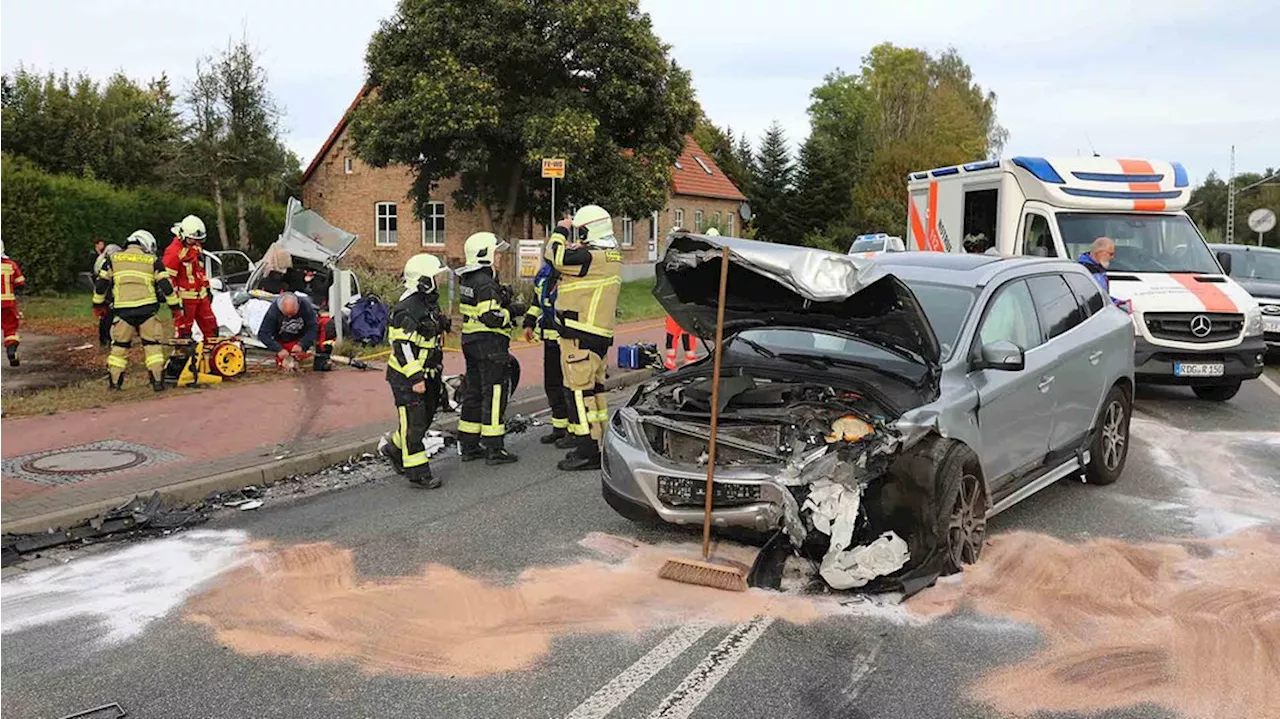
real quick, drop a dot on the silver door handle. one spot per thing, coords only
(1044, 383)
(1095, 356)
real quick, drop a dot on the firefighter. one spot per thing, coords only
(136, 279)
(184, 260)
(415, 368)
(586, 305)
(485, 306)
(104, 322)
(540, 323)
(10, 280)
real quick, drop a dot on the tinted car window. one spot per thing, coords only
(1011, 315)
(1087, 292)
(1055, 303)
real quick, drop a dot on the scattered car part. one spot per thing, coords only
(106, 711)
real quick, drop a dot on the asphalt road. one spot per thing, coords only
(119, 631)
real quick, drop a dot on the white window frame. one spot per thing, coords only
(346, 165)
(703, 165)
(380, 213)
(628, 232)
(728, 224)
(435, 211)
(697, 221)
(715, 220)
(680, 219)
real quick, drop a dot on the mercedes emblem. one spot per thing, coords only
(1201, 326)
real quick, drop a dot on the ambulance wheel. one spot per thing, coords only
(1217, 392)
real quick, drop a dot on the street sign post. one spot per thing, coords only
(1262, 221)
(552, 168)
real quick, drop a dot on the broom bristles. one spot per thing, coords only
(706, 574)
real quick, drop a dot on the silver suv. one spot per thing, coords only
(876, 412)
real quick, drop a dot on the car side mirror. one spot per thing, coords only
(1002, 355)
(1224, 259)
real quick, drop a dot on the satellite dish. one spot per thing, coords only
(744, 211)
(1262, 220)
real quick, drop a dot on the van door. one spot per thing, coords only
(1036, 237)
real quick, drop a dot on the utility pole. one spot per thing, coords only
(1231, 199)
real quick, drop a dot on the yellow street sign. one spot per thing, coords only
(552, 168)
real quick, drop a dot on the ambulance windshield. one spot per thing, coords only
(1144, 242)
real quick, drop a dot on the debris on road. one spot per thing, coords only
(106, 711)
(251, 504)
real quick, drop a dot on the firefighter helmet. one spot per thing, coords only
(191, 228)
(143, 239)
(481, 248)
(594, 227)
(420, 272)
(713, 232)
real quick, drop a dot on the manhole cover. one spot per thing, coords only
(69, 465)
(85, 461)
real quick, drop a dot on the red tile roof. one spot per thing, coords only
(687, 177)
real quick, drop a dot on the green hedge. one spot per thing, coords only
(50, 220)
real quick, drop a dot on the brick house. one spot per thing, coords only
(373, 203)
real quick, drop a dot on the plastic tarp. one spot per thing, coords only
(225, 312)
(835, 512)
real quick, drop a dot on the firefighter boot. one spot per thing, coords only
(115, 385)
(421, 476)
(391, 453)
(554, 437)
(157, 384)
(584, 457)
(12, 351)
(566, 441)
(499, 455)
(471, 451)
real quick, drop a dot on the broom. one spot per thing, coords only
(709, 572)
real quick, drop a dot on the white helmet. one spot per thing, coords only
(143, 239)
(191, 228)
(594, 227)
(712, 232)
(481, 248)
(420, 272)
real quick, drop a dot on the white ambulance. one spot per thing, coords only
(1193, 324)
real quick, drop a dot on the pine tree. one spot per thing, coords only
(771, 192)
(823, 192)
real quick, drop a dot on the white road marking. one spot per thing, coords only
(1270, 383)
(611, 695)
(681, 703)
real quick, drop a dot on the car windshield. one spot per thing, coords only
(1144, 243)
(825, 351)
(946, 307)
(1265, 266)
(868, 245)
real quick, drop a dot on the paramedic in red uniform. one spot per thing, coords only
(186, 268)
(10, 280)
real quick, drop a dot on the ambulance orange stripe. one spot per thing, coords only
(1213, 299)
(935, 241)
(1142, 167)
(917, 227)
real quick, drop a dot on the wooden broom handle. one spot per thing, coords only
(715, 400)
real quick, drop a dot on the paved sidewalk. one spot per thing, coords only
(217, 439)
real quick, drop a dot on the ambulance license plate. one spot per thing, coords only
(1198, 369)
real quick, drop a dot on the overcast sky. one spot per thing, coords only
(1178, 80)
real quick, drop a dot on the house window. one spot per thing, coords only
(346, 165)
(433, 224)
(385, 213)
(728, 224)
(716, 221)
(680, 220)
(628, 232)
(703, 165)
(697, 220)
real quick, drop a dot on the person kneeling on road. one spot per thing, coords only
(415, 368)
(290, 328)
(586, 305)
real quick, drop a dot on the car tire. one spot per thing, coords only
(1217, 392)
(962, 509)
(1109, 448)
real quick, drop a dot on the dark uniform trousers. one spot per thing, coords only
(484, 401)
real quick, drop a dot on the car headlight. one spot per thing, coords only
(1252, 322)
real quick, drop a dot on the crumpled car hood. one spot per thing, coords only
(786, 285)
(308, 235)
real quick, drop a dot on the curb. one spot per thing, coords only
(270, 472)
